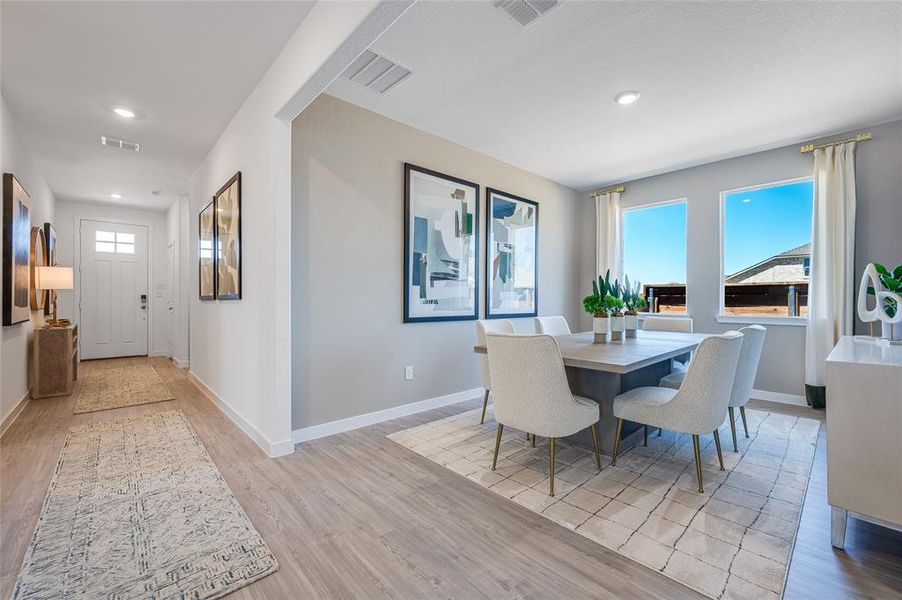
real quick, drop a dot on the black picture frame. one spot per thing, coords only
(201, 250)
(218, 217)
(490, 195)
(410, 169)
(16, 251)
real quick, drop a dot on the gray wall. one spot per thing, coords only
(878, 237)
(349, 345)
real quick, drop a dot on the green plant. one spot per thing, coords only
(613, 305)
(632, 296)
(892, 280)
(594, 303)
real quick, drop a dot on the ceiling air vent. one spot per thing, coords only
(525, 12)
(111, 142)
(376, 72)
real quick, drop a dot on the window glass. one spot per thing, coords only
(654, 254)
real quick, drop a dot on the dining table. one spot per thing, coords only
(601, 371)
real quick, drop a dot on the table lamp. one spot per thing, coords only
(53, 278)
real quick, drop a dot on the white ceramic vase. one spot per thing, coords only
(601, 327)
(892, 331)
(617, 325)
(631, 325)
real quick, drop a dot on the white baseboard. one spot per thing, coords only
(272, 449)
(317, 431)
(181, 363)
(779, 397)
(15, 412)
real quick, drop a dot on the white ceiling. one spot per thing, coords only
(185, 67)
(718, 79)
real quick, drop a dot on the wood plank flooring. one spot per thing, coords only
(357, 516)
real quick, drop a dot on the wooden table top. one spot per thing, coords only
(649, 347)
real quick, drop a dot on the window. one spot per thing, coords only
(654, 253)
(117, 243)
(766, 249)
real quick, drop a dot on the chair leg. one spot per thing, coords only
(744, 424)
(551, 464)
(698, 463)
(617, 442)
(485, 403)
(645, 435)
(660, 432)
(497, 445)
(733, 429)
(719, 453)
(594, 430)
(533, 440)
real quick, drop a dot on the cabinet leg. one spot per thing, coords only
(838, 519)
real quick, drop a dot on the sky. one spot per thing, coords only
(757, 225)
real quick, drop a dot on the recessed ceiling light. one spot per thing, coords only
(115, 195)
(626, 97)
(124, 113)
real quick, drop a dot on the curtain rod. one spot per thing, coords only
(616, 188)
(861, 137)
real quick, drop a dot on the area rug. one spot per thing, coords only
(106, 387)
(734, 541)
(137, 509)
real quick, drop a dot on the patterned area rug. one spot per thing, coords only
(106, 387)
(734, 541)
(137, 509)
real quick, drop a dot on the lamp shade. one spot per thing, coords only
(53, 278)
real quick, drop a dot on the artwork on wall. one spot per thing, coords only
(50, 241)
(16, 251)
(441, 246)
(37, 258)
(227, 239)
(206, 274)
(512, 267)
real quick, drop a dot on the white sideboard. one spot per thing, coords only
(864, 434)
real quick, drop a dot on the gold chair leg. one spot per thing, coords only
(717, 443)
(744, 424)
(497, 445)
(733, 429)
(645, 435)
(594, 430)
(698, 463)
(617, 442)
(551, 464)
(485, 403)
(533, 440)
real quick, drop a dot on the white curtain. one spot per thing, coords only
(608, 237)
(830, 288)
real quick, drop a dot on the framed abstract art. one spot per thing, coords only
(441, 246)
(206, 267)
(16, 251)
(512, 246)
(227, 239)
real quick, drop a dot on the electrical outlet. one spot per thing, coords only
(408, 373)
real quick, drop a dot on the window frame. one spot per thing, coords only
(721, 316)
(655, 204)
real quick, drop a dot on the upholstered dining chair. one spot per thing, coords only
(746, 370)
(483, 327)
(681, 324)
(530, 392)
(552, 325)
(698, 407)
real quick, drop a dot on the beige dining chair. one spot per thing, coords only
(530, 392)
(746, 370)
(552, 325)
(483, 327)
(698, 407)
(678, 324)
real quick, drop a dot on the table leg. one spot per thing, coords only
(838, 519)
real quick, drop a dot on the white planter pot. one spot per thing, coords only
(631, 323)
(616, 329)
(601, 327)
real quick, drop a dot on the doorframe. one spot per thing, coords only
(76, 224)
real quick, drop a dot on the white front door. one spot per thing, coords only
(114, 302)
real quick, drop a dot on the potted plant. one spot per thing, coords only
(615, 310)
(633, 303)
(892, 281)
(595, 305)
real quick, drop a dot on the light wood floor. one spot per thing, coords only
(357, 516)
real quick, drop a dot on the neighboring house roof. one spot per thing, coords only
(788, 266)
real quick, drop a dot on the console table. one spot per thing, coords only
(55, 361)
(864, 448)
